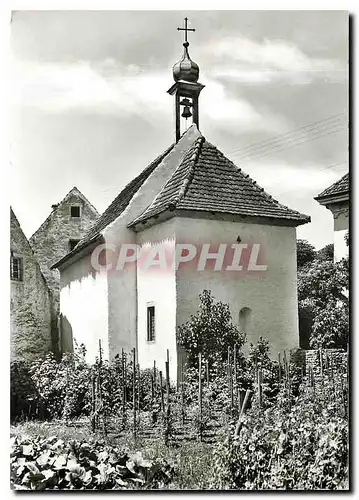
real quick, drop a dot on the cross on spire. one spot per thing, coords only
(185, 29)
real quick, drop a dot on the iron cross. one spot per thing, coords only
(185, 29)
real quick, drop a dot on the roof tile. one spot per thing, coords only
(207, 181)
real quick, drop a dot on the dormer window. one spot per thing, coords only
(75, 211)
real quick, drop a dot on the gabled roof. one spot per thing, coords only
(207, 181)
(74, 191)
(116, 208)
(339, 187)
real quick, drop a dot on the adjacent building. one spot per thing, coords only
(30, 300)
(35, 293)
(336, 199)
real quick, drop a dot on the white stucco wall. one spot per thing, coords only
(272, 295)
(84, 308)
(122, 285)
(341, 227)
(157, 287)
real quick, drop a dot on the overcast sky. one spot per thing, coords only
(90, 107)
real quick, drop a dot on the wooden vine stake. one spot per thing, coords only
(321, 362)
(182, 393)
(260, 388)
(162, 397)
(134, 392)
(104, 426)
(124, 390)
(168, 410)
(230, 381)
(235, 373)
(241, 413)
(93, 403)
(279, 369)
(200, 394)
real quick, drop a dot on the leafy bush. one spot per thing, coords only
(52, 464)
(210, 331)
(304, 446)
(323, 300)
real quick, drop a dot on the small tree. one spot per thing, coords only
(210, 331)
(323, 297)
(326, 253)
(305, 253)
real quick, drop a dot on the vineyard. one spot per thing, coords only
(243, 422)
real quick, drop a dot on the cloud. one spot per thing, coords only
(302, 179)
(246, 60)
(111, 88)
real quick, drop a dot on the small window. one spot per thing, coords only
(16, 272)
(75, 211)
(151, 333)
(72, 244)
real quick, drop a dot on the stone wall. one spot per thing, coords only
(30, 304)
(51, 241)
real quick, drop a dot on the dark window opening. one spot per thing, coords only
(16, 268)
(151, 323)
(75, 211)
(72, 244)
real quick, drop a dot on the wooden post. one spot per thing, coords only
(104, 426)
(93, 404)
(161, 391)
(134, 392)
(200, 394)
(243, 409)
(168, 411)
(321, 361)
(139, 388)
(235, 371)
(124, 389)
(207, 372)
(260, 388)
(230, 381)
(154, 375)
(279, 369)
(182, 395)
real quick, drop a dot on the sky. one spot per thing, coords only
(89, 102)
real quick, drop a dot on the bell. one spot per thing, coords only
(186, 112)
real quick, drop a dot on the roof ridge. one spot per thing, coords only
(188, 179)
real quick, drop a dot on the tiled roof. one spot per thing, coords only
(339, 187)
(207, 181)
(116, 208)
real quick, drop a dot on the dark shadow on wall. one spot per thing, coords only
(305, 327)
(66, 335)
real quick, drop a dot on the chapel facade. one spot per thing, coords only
(191, 194)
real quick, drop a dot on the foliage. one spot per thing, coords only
(23, 394)
(52, 464)
(210, 331)
(323, 297)
(326, 253)
(305, 253)
(303, 446)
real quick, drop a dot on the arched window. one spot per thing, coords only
(245, 315)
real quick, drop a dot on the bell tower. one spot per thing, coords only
(186, 88)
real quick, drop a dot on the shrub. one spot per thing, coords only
(210, 331)
(304, 446)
